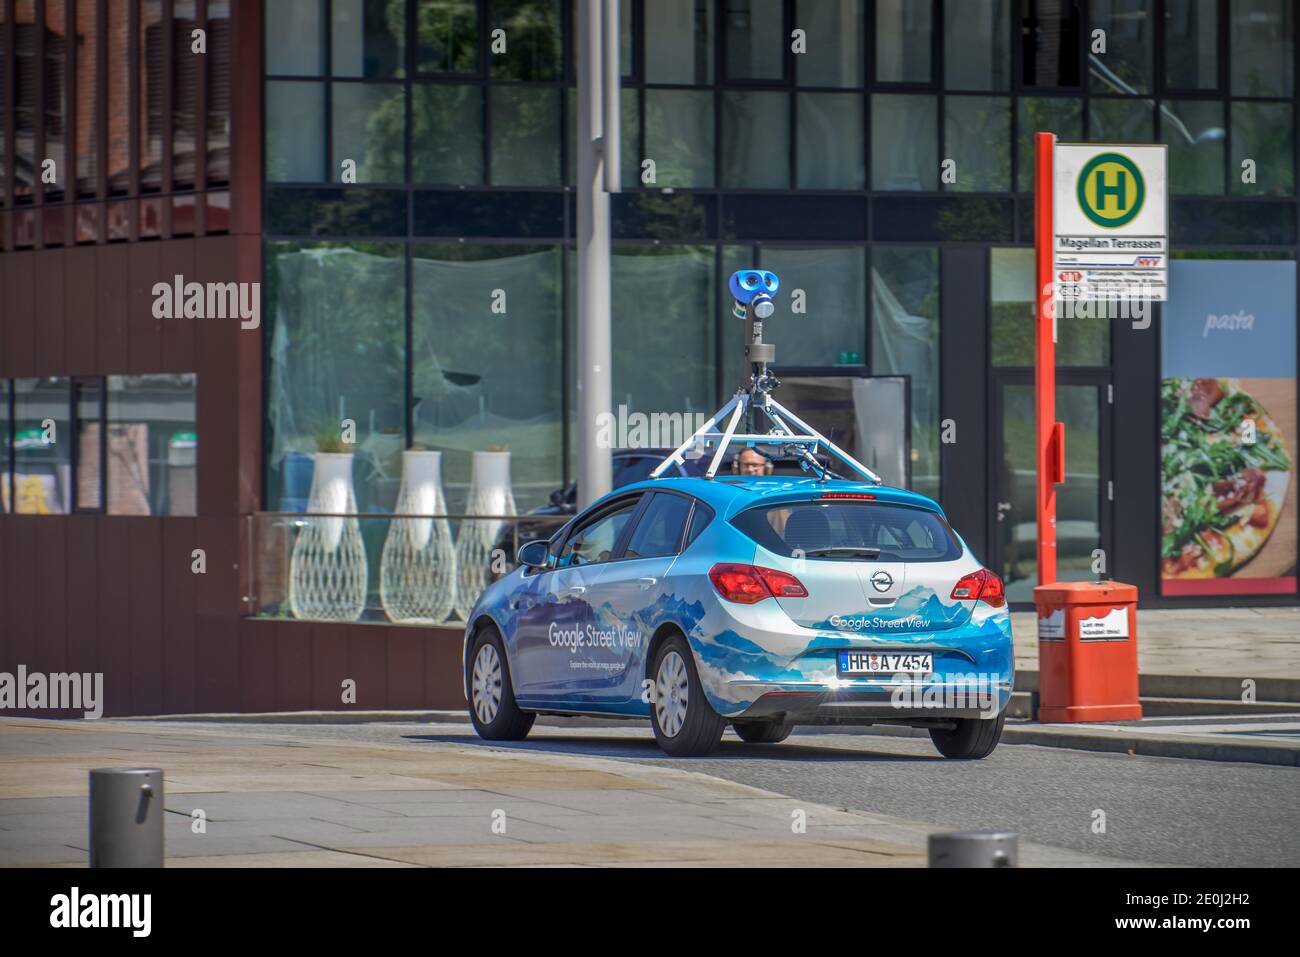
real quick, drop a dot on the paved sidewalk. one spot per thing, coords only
(273, 799)
(1259, 643)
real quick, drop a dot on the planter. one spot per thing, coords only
(489, 494)
(327, 571)
(417, 574)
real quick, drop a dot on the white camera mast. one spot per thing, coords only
(752, 290)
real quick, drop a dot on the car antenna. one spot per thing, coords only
(752, 291)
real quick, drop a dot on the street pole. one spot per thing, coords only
(1049, 437)
(598, 140)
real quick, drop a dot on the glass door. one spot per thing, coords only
(1082, 501)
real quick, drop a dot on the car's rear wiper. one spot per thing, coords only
(843, 551)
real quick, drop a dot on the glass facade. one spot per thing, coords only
(852, 147)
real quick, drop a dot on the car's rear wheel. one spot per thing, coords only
(762, 732)
(972, 738)
(685, 723)
(492, 706)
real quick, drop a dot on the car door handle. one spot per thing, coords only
(647, 581)
(574, 591)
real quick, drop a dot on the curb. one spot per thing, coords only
(1215, 687)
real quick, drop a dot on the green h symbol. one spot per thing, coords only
(1118, 190)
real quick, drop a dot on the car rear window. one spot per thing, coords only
(899, 532)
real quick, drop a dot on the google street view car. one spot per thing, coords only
(760, 602)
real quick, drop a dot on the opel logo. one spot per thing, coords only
(882, 580)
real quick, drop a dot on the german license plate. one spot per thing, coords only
(875, 663)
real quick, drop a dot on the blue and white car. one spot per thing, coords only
(757, 602)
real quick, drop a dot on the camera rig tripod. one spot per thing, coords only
(752, 291)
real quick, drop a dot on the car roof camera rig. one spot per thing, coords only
(752, 291)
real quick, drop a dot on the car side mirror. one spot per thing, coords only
(535, 554)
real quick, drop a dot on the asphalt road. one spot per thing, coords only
(1157, 810)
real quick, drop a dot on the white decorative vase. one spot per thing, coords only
(417, 574)
(327, 571)
(489, 494)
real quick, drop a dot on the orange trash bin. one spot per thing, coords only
(1087, 652)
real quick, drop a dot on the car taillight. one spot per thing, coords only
(847, 495)
(748, 584)
(983, 586)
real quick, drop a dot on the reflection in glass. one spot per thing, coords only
(369, 126)
(185, 98)
(446, 36)
(447, 134)
(833, 326)
(118, 63)
(486, 379)
(42, 447)
(87, 134)
(295, 131)
(905, 341)
(975, 40)
(525, 136)
(834, 30)
(631, 153)
(1192, 44)
(152, 79)
(1194, 130)
(903, 41)
(152, 445)
(532, 39)
(295, 38)
(679, 41)
(663, 308)
(1265, 134)
(1263, 47)
(89, 398)
(755, 38)
(336, 350)
(1040, 114)
(1083, 333)
(829, 141)
(977, 136)
(904, 146)
(679, 136)
(1049, 43)
(1121, 121)
(219, 64)
(1125, 66)
(755, 139)
(368, 39)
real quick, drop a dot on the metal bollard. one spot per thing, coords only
(974, 849)
(126, 817)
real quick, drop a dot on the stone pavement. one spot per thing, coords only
(273, 799)
(1257, 643)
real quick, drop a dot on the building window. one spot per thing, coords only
(295, 131)
(1263, 47)
(447, 134)
(152, 446)
(1040, 114)
(756, 139)
(185, 96)
(976, 40)
(446, 36)
(1264, 134)
(368, 39)
(904, 142)
(679, 136)
(151, 45)
(487, 350)
(1049, 43)
(829, 141)
(219, 63)
(1124, 66)
(1121, 121)
(834, 31)
(1192, 44)
(42, 447)
(905, 341)
(977, 138)
(679, 41)
(119, 98)
(295, 38)
(1194, 130)
(336, 350)
(755, 39)
(368, 124)
(526, 128)
(1082, 339)
(532, 40)
(904, 41)
(88, 402)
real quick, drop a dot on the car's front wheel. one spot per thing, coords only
(762, 732)
(492, 706)
(972, 738)
(685, 723)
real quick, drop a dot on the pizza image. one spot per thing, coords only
(1226, 469)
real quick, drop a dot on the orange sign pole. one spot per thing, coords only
(1050, 436)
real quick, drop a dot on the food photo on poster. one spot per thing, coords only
(1228, 429)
